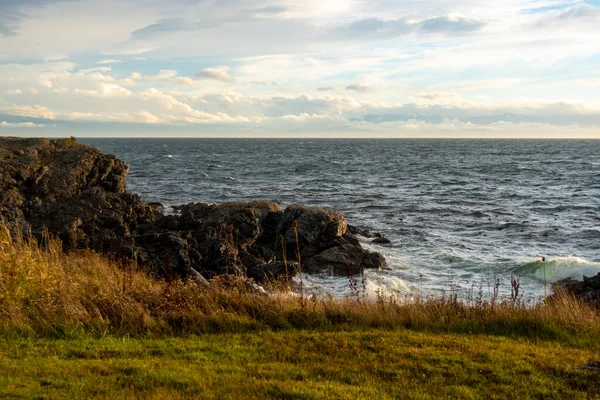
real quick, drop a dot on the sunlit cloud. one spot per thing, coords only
(217, 74)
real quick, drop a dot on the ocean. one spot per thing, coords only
(463, 216)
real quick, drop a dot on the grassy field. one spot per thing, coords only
(367, 364)
(81, 326)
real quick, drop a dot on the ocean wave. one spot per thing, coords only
(559, 268)
(380, 285)
(526, 168)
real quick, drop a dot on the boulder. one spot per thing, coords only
(317, 228)
(344, 259)
(381, 240)
(586, 290)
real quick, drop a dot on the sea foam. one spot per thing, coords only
(558, 268)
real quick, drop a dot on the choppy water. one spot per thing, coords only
(493, 207)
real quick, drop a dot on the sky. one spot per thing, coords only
(300, 68)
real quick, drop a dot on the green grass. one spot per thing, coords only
(367, 364)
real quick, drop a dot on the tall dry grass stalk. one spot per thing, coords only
(44, 291)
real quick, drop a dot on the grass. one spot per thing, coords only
(367, 364)
(79, 325)
(45, 292)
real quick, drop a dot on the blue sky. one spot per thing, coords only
(453, 68)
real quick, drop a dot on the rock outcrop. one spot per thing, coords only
(587, 290)
(77, 193)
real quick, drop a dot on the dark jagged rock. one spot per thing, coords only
(359, 231)
(70, 189)
(265, 272)
(587, 290)
(316, 227)
(324, 242)
(342, 260)
(381, 240)
(78, 193)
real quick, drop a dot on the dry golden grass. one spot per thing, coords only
(45, 292)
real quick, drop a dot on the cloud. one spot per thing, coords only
(217, 74)
(269, 11)
(554, 114)
(183, 80)
(13, 11)
(5, 124)
(95, 69)
(379, 28)
(109, 62)
(343, 64)
(435, 97)
(35, 111)
(358, 88)
(450, 24)
(163, 74)
(162, 27)
(217, 15)
(265, 83)
(578, 14)
(166, 75)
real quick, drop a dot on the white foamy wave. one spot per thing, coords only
(380, 285)
(374, 285)
(559, 268)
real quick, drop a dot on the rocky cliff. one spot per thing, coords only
(77, 193)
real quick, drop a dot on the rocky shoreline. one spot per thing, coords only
(79, 194)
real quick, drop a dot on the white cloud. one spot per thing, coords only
(182, 80)
(109, 62)
(579, 14)
(5, 124)
(217, 74)
(165, 75)
(95, 69)
(26, 110)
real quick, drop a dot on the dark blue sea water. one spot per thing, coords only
(493, 207)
